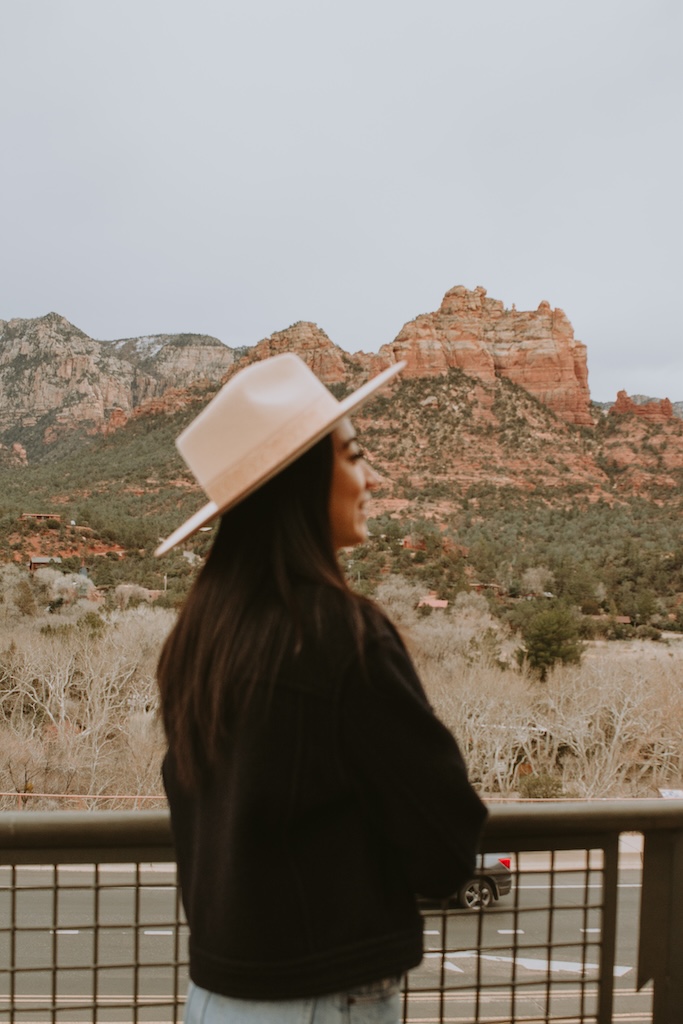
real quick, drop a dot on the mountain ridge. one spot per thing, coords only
(53, 375)
(55, 381)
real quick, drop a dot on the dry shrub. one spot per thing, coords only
(65, 587)
(611, 727)
(126, 594)
(467, 630)
(489, 712)
(617, 728)
(79, 705)
(602, 729)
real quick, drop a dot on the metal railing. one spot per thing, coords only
(91, 927)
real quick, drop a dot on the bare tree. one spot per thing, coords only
(78, 701)
(80, 706)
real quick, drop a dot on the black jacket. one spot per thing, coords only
(332, 805)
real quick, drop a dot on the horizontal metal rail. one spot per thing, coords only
(91, 927)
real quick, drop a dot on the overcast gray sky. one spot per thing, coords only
(232, 167)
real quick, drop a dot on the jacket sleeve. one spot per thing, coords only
(408, 771)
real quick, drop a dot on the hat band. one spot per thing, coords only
(274, 453)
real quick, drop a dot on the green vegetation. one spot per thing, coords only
(549, 636)
(540, 536)
(608, 555)
(127, 490)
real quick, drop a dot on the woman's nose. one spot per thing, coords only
(372, 479)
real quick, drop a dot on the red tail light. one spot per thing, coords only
(505, 861)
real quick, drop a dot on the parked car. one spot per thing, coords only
(493, 880)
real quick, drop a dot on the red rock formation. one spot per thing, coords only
(536, 349)
(308, 341)
(117, 418)
(19, 453)
(172, 401)
(47, 366)
(13, 455)
(656, 412)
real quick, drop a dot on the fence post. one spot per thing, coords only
(660, 946)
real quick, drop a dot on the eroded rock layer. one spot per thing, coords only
(536, 350)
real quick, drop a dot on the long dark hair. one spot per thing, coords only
(245, 612)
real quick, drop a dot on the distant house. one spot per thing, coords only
(40, 561)
(431, 601)
(41, 516)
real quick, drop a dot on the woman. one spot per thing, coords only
(312, 790)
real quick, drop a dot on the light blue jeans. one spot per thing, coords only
(377, 1003)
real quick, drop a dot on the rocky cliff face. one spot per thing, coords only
(54, 376)
(48, 365)
(177, 360)
(476, 334)
(654, 411)
(329, 362)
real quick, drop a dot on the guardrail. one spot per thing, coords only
(91, 927)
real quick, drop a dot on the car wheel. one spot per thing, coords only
(475, 895)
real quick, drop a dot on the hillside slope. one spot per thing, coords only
(55, 380)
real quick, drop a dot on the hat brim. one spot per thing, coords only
(344, 408)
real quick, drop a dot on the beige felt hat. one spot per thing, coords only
(264, 418)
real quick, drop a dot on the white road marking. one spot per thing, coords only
(65, 931)
(511, 931)
(590, 931)
(158, 931)
(591, 885)
(531, 963)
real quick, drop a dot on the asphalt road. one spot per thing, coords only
(554, 965)
(60, 930)
(521, 944)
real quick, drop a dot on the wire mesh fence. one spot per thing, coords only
(91, 925)
(91, 942)
(536, 954)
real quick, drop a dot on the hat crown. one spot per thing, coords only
(250, 409)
